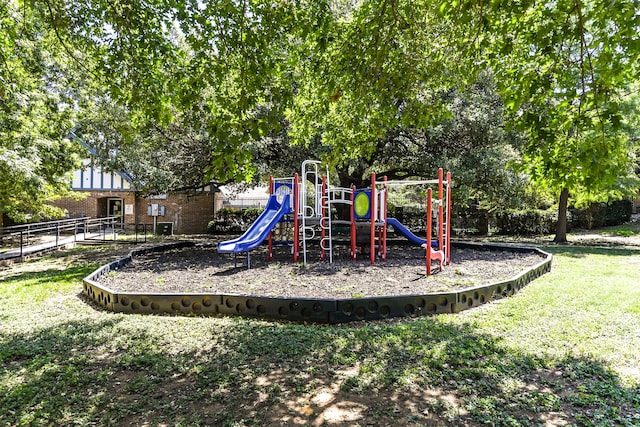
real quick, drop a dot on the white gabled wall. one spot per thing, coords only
(92, 177)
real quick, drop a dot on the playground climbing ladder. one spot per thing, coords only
(310, 173)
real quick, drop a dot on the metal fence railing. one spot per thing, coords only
(17, 241)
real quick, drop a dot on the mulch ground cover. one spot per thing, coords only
(201, 269)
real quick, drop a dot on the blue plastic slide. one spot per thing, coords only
(259, 230)
(401, 229)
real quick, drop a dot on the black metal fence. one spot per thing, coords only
(19, 240)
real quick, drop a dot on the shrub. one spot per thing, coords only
(602, 214)
(592, 216)
(249, 216)
(471, 221)
(233, 220)
(411, 217)
(618, 212)
(526, 221)
(463, 221)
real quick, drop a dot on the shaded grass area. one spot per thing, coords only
(626, 230)
(561, 352)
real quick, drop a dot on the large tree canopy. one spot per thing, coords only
(170, 91)
(183, 92)
(187, 75)
(472, 142)
(381, 67)
(563, 69)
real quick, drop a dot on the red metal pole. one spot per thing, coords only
(296, 224)
(440, 213)
(428, 249)
(384, 221)
(270, 256)
(372, 255)
(448, 229)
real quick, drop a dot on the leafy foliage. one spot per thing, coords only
(377, 69)
(188, 76)
(158, 158)
(602, 214)
(526, 222)
(564, 67)
(37, 93)
(182, 93)
(233, 220)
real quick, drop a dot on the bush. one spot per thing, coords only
(233, 220)
(411, 217)
(592, 216)
(526, 221)
(463, 221)
(470, 221)
(618, 212)
(602, 214)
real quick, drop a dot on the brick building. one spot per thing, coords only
(103, 194)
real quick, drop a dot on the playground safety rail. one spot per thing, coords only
(19, 241)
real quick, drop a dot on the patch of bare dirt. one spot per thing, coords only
(202, 270)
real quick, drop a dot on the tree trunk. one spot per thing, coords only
(561, 226)
(483, 222)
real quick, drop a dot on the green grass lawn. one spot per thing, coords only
(564, 351)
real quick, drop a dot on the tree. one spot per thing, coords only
(216, 79)
(471, 141)
(378, 67)
(37, 90)
(563, 67)
(157, 158)
(188, 74)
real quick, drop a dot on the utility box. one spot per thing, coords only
(164, 228)
(155, 209)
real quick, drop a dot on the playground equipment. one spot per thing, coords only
(274, 211)
(438, 210)
(302, 206)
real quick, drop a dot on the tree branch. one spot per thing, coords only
(62, 42)
(584, 49)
